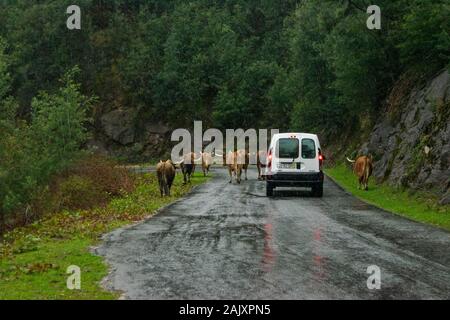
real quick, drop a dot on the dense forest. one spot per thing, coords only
(294, 65)
(309, 65)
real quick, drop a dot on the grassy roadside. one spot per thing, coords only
(34, 259)
(418, 206)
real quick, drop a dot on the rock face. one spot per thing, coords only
(413, 149)
(119, 125)
(126, 134)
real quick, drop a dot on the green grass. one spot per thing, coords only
(34, 259)
(422, 207)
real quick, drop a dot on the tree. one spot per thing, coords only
(6, 123)
(30, 154)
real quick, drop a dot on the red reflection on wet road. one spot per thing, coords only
(269, 252)
(318, 259)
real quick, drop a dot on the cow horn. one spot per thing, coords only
(351, 161)
(178, 163)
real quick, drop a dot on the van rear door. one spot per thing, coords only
(309, 154)
(288, 154)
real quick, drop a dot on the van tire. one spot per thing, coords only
(317, 190)
(269, 190)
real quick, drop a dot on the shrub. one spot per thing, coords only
(78, 192)
(107, 175)
(92, 181)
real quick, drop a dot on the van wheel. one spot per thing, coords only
(269, 190)
(317, 190)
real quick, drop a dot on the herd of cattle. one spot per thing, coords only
(238, 163)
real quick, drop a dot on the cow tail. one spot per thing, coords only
(366, 171)
(164, 180)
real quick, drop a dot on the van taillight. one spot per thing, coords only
(320, 160)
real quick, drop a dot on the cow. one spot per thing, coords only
(235, 162)
(165, 171)
(207, 161)
(363, 168)
(187, 165)
(246, 163)
(261, 163)
(230, 162)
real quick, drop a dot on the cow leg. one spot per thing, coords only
(361, 183)
(231, 174)
(366, 178)
(166, 190)
(161, 189)
(246, 175)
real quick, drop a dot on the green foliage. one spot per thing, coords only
(424, 32)
(304, 65)
(32, 153)
(58, 126)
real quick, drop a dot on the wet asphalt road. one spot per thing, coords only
(231, 242)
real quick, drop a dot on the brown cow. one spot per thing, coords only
(187, 166)
(166, 174)
(246, 163)
(235, 162)
(363, 168)
(206, 162)
(261, 163)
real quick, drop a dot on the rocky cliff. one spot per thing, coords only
(411, 141)
(126, 134)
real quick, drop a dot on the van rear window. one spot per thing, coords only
(308, 149)
(288, 148)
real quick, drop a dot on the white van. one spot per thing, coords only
(295, 159)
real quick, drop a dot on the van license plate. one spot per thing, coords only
(291, 165)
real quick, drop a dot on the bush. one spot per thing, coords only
(107, 175)
(80, 193)
(92, 181)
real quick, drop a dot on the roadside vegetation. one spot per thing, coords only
(418, 206)
(34, 258)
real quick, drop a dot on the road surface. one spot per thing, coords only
(231, 242)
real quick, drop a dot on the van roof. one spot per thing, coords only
(297, 134)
